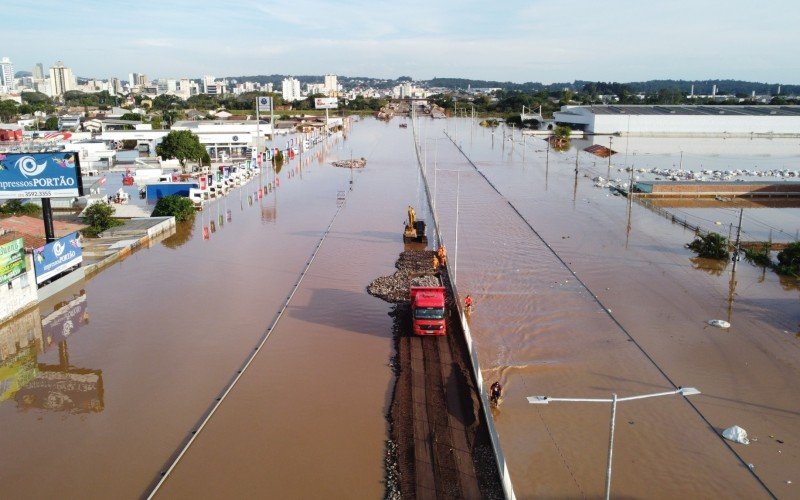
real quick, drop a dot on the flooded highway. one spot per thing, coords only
(168, 327)
(103, 384)
(635, 323)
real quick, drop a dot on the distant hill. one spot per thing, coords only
(648, 87)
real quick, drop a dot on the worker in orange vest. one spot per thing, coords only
(441, 252)
(435, 263)
(468, 303)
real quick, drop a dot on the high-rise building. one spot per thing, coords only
(6, 75)
(61, 79)
(291, 89)
(331, 86)
(142, 81)
(208, 81)
(38, 72)
(114, 86)
(133, 79)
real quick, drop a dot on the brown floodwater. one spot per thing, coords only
(167, 328)
(541, 332)
(103, 383)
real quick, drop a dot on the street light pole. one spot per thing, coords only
(543, 400)
(458, 194)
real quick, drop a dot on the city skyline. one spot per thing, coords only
(522, 41)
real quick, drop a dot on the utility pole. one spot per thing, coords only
(738, 234)
(547, 155)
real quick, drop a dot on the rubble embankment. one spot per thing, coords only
(438, 439)
(352, 163)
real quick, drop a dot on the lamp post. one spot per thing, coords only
(458, 199)
(543, 400)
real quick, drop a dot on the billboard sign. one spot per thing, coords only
(12, 260)
(40, 175)
(326, 103)
(264, 103)
(56, 257)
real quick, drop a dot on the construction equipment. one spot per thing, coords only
(415, 229)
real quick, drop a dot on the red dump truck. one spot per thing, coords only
(428, 310)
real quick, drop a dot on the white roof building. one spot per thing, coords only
(682, 120)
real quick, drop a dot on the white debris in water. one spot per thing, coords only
(719, 323)
(736, 434)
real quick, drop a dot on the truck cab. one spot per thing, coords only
(428, 310)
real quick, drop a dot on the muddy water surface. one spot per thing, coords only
(167, 328)
(542, 333)
(307, 419)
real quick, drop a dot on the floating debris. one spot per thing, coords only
(736, 434)
(719, 323)
(359, 163)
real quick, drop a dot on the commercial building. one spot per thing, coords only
(682, 120)
(223, 140)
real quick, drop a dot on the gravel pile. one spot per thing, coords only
(412, 264)
(359, 163)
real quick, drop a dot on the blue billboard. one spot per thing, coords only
(39, 175)
(56, 257)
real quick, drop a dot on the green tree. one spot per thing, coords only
(711, 246)
(8, 109)
(562, 131)
(100, 217)
(136, 117)
(169, 116)
(16, 207)
(51, 123)
(789, 260)
(183, 145)
(36, 98)
(203, 102)
(277, 162)
(175, 206)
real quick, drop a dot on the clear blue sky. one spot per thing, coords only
(534, 40)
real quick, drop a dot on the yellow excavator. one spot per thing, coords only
(414, 229)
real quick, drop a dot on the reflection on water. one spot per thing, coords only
(57, 387)
(714, 267)
(789, 283)
(183, 233)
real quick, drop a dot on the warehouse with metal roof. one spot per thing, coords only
(683, 120)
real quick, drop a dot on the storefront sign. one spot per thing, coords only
(12, 260)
